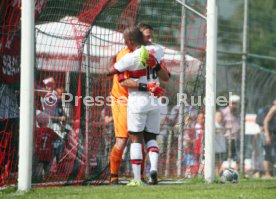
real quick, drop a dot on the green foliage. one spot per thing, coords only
(262, 28)
(261, 32)
(163, 16)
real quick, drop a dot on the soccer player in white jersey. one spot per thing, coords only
(143, 105)
(147, 31)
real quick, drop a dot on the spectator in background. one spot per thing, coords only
(60, 109)
(188, 143)
(44, 139)
(65, 111)
(52, 106)
(190, 115)
(189, 111)
(163, 126)
(270, 139)
(220, 144)
(232, 125)
(108, 128)
(198, 148)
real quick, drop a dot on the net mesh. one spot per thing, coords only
(75, 44)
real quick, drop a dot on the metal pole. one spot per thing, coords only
(181, 91)
(87, 93)
(191, 9)
(244, 57)
(26, 97)
(259, 56)
(168, 153)
(67, 81)
(211, 59)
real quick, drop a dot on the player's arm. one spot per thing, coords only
(160, 68)
(267, 119)
(111, 70)
(123, 77)
(128, 62)
(120, 66)
(150, 87)
(164, 74)
(129, 83)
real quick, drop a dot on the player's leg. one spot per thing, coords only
(144, 154)
(153, 152)
(151, 131)
(119, 113)
(136, 126)
(136, 155)
(116, 158)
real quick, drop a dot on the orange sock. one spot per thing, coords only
(143, 161)
(115, 162)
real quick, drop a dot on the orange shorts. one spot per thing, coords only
(119, 112)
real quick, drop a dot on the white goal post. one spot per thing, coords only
(210, 85)
(26, 96)
(210, 89)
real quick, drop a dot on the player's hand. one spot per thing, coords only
(155, 89)
(151, 62)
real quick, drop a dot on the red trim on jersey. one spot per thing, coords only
(138, 73)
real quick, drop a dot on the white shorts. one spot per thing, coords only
(144, 121)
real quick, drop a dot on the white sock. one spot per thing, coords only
(136, 159)
(153, 152)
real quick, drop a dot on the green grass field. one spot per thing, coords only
(249, 189)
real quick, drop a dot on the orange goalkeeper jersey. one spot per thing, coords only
(118, 90)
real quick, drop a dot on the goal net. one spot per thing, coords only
(75, 43)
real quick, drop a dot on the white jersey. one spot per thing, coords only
(157, 50)
(140, 101)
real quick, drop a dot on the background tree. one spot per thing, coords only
(261, 32)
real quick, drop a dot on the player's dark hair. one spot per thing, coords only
(134, 35)
(143, 26)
